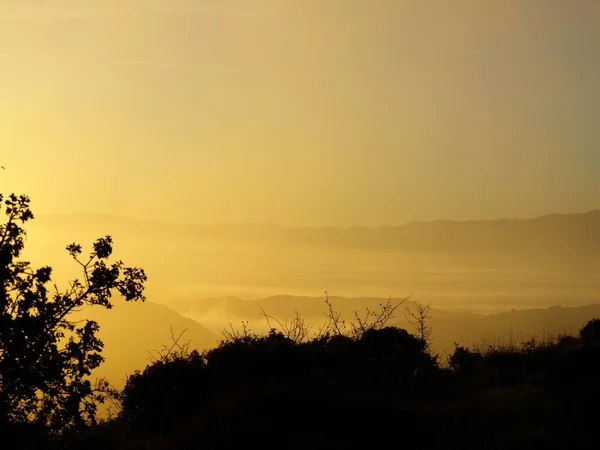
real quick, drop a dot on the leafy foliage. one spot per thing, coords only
(45, 357)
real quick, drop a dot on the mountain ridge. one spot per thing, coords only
(593, 212)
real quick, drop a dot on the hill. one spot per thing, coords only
(132, 332)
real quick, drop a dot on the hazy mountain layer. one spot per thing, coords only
(560, 234)
(492, 266)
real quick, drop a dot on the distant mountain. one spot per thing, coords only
(552, 234)
(477, 265)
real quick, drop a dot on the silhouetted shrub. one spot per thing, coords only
(247, 358)
(568, 342)
(590, 333)
(582, 365)
(171, 391)
(464, 360)
(166, 393)
(393, 354)
(298, 415)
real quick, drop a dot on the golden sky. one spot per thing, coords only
(301, 112)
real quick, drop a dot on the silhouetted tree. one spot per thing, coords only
(46, 357)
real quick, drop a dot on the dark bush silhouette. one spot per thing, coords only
(256, 358)
(175, 390)
(360, 390)
(581, 365)
(166, 392)
(392, 354)
(590, 333)
(464, 360)
(46, 358)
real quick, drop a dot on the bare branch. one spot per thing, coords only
(233, 334)
(376, 320)
(419, 318)
(297, 330)
(173, 351)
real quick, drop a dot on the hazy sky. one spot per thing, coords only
(303, 112)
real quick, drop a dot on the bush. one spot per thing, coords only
(590, 333)
(464, 360)
(166, 393)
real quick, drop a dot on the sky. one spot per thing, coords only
(301, 112)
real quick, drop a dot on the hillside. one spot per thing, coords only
(132, 332)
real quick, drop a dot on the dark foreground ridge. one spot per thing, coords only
(377, 389)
